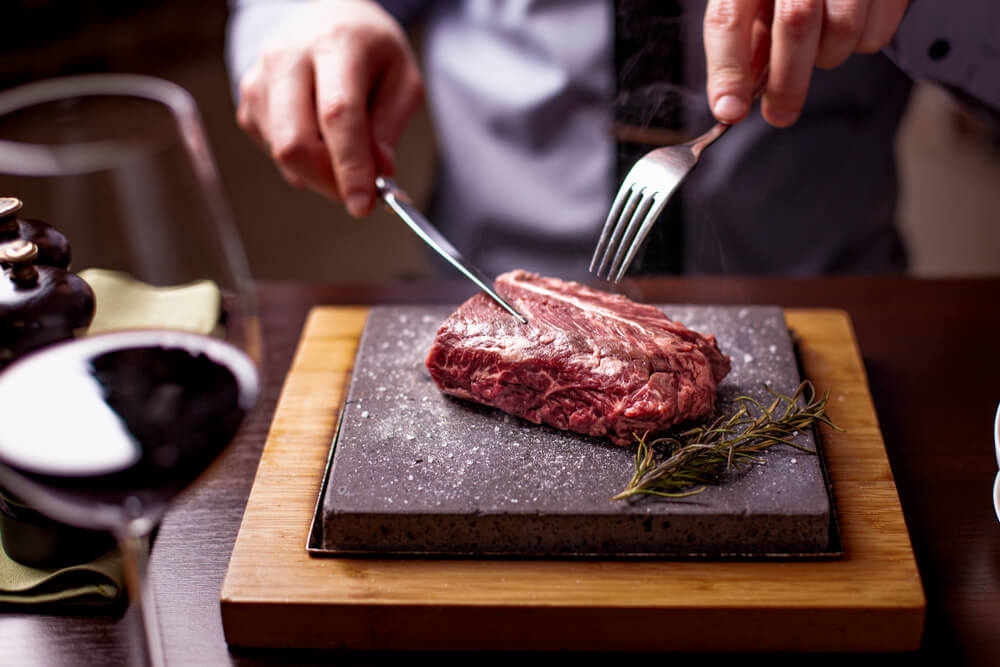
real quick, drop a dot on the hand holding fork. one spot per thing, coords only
(645, 192)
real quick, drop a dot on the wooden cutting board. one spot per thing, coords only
(276, 595)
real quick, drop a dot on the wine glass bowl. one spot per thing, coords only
(163, 403)
(105, 429)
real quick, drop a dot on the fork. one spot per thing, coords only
(643, 194)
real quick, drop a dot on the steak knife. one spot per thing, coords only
(401, 204)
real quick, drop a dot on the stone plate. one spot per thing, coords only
(415, 472)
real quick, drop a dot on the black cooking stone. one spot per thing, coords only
(416, 472)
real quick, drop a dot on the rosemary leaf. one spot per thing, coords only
(673, 467)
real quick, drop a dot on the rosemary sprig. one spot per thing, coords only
(671, 466)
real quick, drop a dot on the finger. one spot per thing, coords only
(794, 40)
(761, 48)
(843, 24)
(882, 22)
(343, 84)
(728, 29)
(251, 105)
(292, 132)
(399, 94)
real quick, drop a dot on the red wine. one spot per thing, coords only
(120, 421)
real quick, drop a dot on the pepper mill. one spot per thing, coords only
(53, 247)
(38, 304)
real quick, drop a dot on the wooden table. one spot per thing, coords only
(930, 350)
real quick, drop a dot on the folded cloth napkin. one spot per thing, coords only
(121, 302)
(97, 582)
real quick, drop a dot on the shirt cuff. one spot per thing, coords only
(952, 43)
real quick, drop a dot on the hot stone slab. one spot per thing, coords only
(415, 472)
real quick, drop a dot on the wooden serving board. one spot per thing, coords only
(276, 595)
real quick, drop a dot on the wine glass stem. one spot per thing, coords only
(133, 542)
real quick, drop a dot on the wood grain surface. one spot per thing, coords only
(275, 594)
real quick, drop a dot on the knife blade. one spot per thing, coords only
(399, 202)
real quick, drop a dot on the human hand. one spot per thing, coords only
(330, 96)
(799, 35)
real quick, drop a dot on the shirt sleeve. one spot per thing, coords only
(956, 44)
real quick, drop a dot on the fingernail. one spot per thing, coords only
(357, 204)
(387, 158)
(730, 108)
(386, 150)
(782, 118)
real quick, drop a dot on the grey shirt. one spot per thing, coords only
(520, 92)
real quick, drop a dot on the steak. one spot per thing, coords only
(587, 361)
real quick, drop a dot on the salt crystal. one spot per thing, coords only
(747, 358)
(364, 414)
(795, 460)
(410, 477)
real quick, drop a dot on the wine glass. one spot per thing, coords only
(104, 429)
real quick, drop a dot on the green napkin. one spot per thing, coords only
(121, 302)
(99, 582)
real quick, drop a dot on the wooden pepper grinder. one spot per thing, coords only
(53, 247)
(38, 304)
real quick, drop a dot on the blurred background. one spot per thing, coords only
(949, 160)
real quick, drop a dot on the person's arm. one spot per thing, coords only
(326, 87)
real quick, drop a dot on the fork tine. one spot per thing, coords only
(609, 225)
(620, 225)
(627, 239)
(659, 201)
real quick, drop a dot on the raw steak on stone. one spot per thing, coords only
(587, 361)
